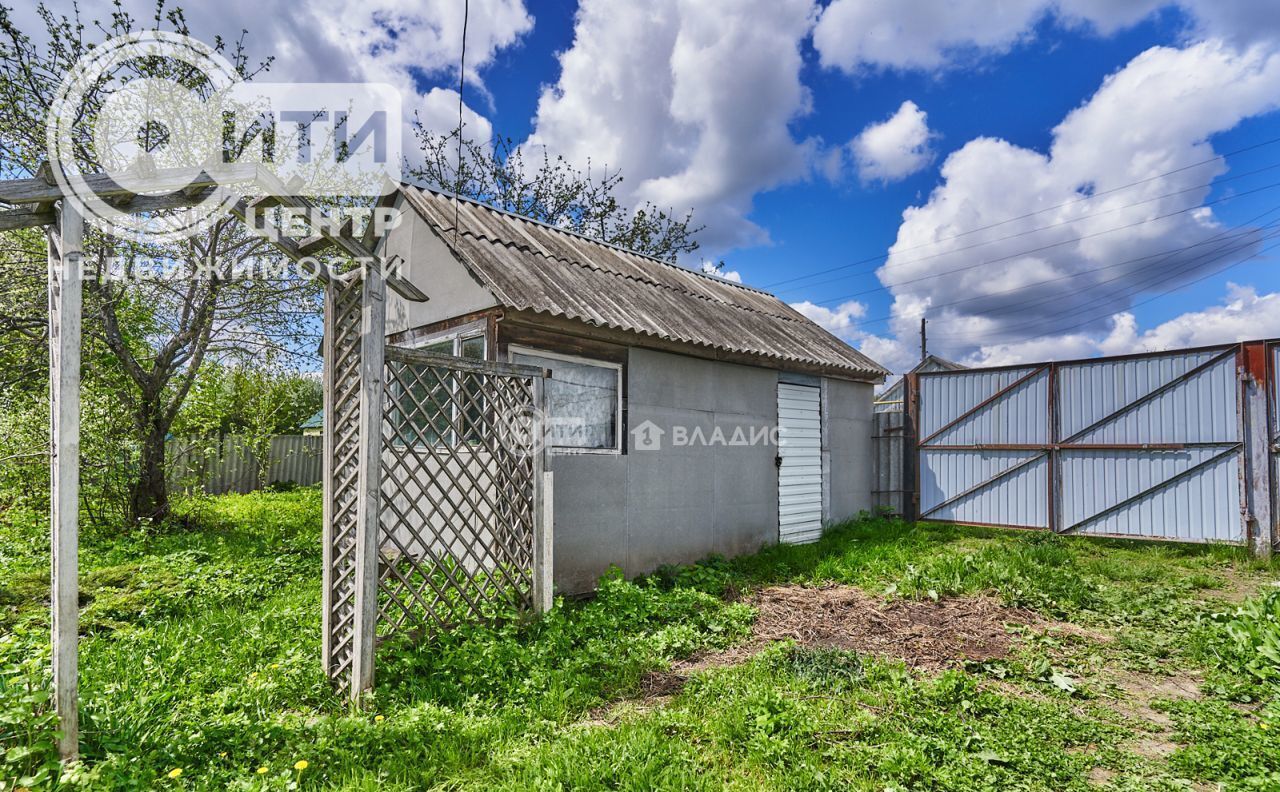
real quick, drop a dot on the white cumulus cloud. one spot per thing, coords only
(1051, 280)
(338, 41)
(691, 99)
(895, 148)
(1242, 315)
(925, 34)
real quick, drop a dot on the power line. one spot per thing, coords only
(1166, 293)
(1062, 205)
(1037, 229)
(1019, 254)
(1244, 229)
(462, 81)
(1108, 299)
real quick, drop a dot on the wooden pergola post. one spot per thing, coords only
(543, 504)
(66, 247)
(373, 333)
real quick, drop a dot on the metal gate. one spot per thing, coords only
(1142, 446)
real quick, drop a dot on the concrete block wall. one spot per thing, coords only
(678, 504)
(849, 431)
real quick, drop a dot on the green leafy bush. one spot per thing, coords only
(1253, 638)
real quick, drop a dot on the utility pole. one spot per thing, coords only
(924, 339)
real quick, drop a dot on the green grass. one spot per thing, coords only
(201, 653)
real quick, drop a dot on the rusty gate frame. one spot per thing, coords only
(1260, 489)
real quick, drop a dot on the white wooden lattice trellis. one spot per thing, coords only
(437, 505)
(462, 494)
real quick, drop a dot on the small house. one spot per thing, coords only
(892, 398)
(689, 414)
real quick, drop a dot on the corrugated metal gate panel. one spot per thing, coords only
(1016, 416)
(800, 474)
(1275, 439)
(1201, 409)
(1143, 446)
(1202, 505)
(1016, 499)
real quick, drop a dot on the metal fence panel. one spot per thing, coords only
(1190, 495)
(1189, 492)
(1197, 403)
(888, 446)
(228, 464)
(1275, 441)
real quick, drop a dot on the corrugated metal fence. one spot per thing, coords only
(892, 491)
(230, 466)
(1171, 446)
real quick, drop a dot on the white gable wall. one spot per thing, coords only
(431, 266)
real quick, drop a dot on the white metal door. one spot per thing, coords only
(800, 466)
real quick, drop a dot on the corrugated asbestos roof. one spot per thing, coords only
(530, 266)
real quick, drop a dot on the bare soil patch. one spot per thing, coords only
(926, 635)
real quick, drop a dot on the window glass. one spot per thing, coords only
(472, 348)
(581, 402)
(429, 408)
(471, 395)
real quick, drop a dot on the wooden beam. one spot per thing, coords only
(26, 217)
(38, 190)
(329, 413)
(314, 244)
(66, 245)
(373, 332)
(544, 540)
(498, 367)
(36, 215)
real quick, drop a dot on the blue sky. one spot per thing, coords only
(768, 118)
(1017, 89)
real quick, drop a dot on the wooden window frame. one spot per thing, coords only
(516, 349)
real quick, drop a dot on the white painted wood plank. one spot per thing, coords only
(369, 492)
(66, 243)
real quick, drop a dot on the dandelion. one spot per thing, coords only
(378, 719)
(300, 765)
(175, 772)
(262, 770)
(275, 665)
(222, 755)
(1264, 726)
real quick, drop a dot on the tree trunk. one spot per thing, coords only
(149, 495)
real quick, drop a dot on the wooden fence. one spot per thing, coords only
(230, 465)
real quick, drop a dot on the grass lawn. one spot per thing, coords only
(1133, 666)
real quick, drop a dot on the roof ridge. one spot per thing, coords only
(579, 235)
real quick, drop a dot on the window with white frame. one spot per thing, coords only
(445, 410)
(583, 400)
